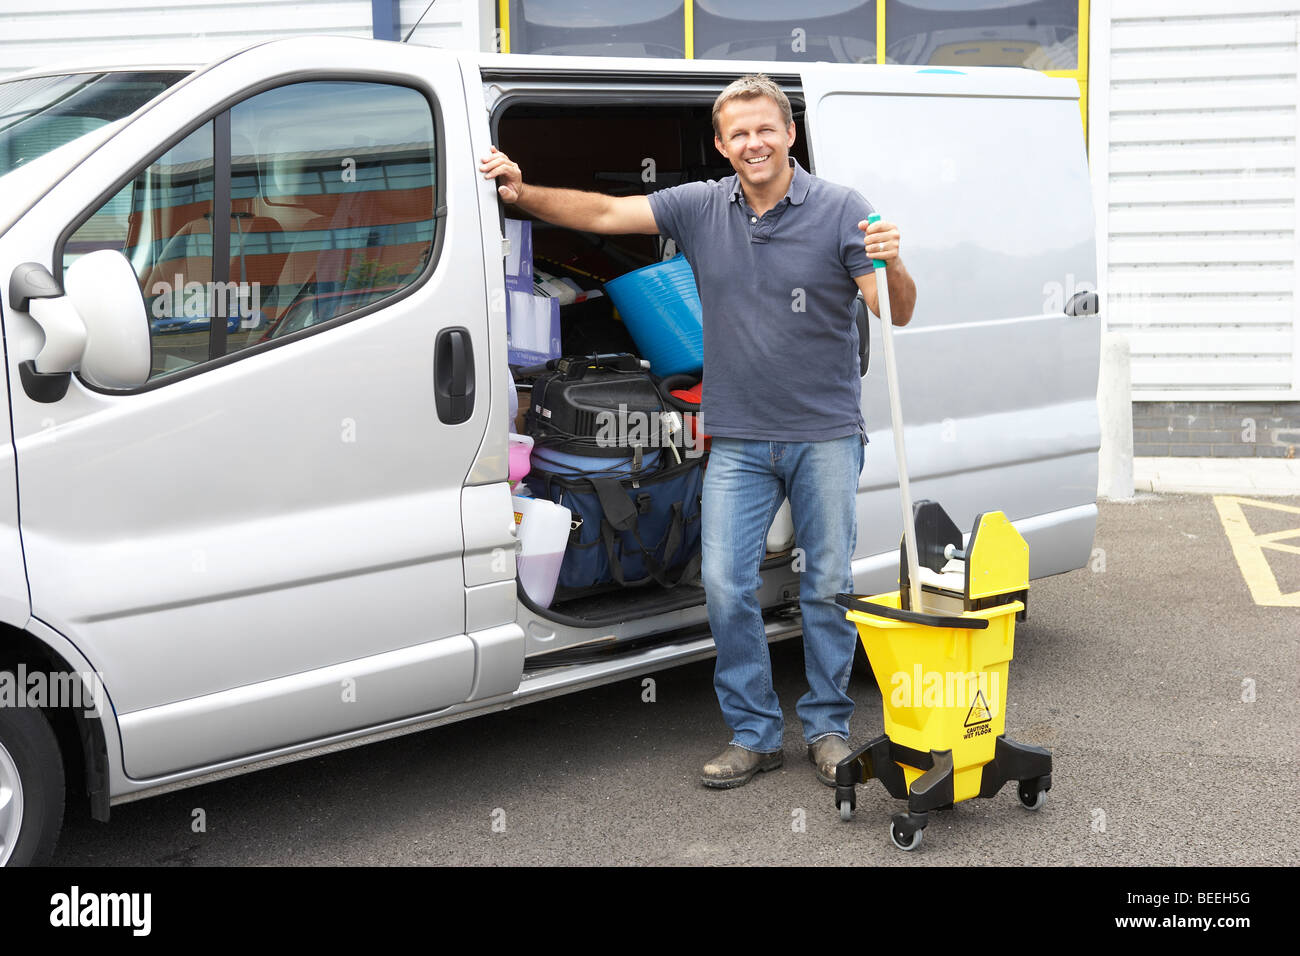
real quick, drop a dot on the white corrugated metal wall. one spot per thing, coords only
(57, 31)
(1194, 152)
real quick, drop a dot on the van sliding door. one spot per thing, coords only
(985, 174)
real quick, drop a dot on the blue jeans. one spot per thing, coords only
(744, 485)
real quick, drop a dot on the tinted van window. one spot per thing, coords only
(331, 209)
(39, 114)
(332, 192)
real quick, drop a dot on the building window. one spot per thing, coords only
(839, 31)
(1038, 34)
(655, 28)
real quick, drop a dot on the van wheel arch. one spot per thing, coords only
(81, 738)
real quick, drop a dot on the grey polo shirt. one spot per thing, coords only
(777, 290)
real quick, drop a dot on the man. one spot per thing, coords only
(779, 256)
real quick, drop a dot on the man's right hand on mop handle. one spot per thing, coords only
(881, 241)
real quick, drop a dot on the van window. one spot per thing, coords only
(40, 113)
(332, 186)
(331, 209)
(162, 223)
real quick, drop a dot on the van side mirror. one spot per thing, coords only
(97, 325)
(1083, 303)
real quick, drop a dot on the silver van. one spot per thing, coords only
(229, 544)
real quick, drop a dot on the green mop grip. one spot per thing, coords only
(875, 217)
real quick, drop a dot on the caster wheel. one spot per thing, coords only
(1032, 800)
(846, 811)
(903, 844)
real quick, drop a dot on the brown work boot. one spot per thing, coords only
(825, 753)
(735, 766)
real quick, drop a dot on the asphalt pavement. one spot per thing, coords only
(1167, 696)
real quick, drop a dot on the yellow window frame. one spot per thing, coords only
(1079, 74)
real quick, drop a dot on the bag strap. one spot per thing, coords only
(671, 541)
(619, 511)
(612, 553)
(673, 536)
(674, 541)
(619, 514)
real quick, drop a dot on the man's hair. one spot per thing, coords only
(748, 87)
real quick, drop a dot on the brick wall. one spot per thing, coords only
(1216, 429)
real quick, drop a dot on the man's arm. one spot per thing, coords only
(881, 242)
(902, 292)
(572, 208)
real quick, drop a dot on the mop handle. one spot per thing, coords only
(896, 419)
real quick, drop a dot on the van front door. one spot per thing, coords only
(262, 546)
(986, 176)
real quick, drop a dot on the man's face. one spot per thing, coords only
(754, 139)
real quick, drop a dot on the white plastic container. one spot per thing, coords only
(780, 536)
(544, 534)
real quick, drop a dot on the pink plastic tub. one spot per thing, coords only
(521, 453)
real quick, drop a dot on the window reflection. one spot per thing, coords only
(838, 31)
(169, 241)
(1038, 34)
(332, 193)
(42, 113)
(654, 28)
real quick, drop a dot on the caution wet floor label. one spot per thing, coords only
(978, 717)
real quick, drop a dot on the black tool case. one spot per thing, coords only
(599, 406)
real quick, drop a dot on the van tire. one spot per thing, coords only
(31, 770)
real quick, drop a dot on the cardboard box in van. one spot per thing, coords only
(255, 336)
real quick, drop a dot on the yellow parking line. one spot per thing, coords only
(1248, 548)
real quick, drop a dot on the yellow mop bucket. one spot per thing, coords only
(943, 687)
(949, 627)
(943, 675)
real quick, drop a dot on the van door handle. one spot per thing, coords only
(453, 376)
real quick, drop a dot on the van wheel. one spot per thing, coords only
(31, 788)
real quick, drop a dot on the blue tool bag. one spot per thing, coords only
(634, 530)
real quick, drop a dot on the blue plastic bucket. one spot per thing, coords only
(661, 308)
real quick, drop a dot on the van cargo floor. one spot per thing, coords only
(625, 604)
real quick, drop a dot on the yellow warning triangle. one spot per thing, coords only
(1248, 548)
(979, 711)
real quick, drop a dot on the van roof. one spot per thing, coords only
(868, 77)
